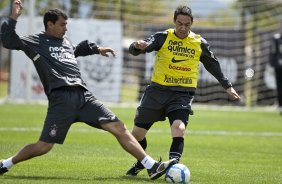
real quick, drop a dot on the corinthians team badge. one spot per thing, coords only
(53, 130)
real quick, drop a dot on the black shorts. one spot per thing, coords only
(68, 105)
(157, 104)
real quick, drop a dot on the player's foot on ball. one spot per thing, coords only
(160, 168)
(135, 169)
(2, 168)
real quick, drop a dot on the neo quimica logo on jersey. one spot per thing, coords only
(61, 54)
(179, 49)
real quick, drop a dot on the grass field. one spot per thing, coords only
(221, 146)
(3, 89)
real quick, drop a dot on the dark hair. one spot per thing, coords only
(183, 10)
(53, 15)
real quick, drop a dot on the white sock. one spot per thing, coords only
(148, 162)
(8, 163)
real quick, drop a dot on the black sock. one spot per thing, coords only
(143, 144)
(176, 148)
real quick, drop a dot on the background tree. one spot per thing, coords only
(4, 3)
(74, 8)
(4, 7)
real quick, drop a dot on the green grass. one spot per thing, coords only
(220, 147)
(3, 89)
(129, 92)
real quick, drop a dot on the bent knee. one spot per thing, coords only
(139, 133)
(178, 128)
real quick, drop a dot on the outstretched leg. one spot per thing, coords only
(32, 150)
(126, 139)
(131, 145)
(26, 153)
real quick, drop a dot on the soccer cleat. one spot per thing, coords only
(2, 168)
(160, 168)
(135, 169)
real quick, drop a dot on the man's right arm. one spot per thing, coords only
(152, 43)
(9, 37)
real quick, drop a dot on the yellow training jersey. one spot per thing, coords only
(176, 62)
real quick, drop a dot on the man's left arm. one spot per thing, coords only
(212, 66)
(86, 48)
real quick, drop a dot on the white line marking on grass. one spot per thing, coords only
(19, 129)
(156, 131)
(236, 133)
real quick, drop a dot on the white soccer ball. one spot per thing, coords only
(178, 173)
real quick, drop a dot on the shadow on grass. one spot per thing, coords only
(136, 178)
(93, 179)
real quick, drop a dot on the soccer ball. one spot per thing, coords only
(178, 173)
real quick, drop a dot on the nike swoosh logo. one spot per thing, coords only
(176, 60)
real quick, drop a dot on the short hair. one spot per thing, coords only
(53, 15)
(183, 10)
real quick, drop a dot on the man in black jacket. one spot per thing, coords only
(275, 59)
(54, 58)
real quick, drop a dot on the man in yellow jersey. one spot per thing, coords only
(174, 80)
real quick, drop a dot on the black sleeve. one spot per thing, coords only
(155, 42)
(9, 37)
(212, 65)
(86, 48)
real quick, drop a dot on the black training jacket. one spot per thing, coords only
(54, 58)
